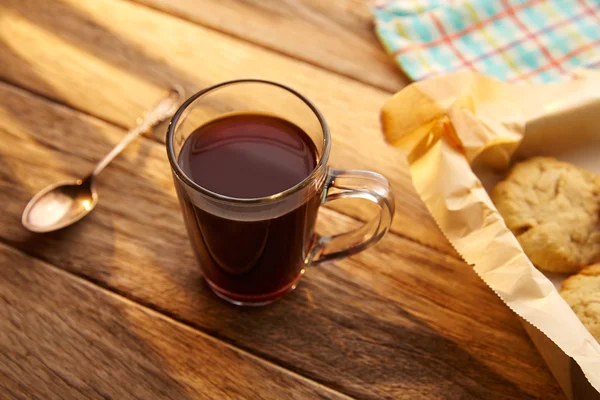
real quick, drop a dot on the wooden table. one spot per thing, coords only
(115, 306)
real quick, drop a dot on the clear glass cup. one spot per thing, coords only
(253, 251)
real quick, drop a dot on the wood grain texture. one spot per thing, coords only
(112, 59)
(63, 338)
(397, 321)
(336, 35)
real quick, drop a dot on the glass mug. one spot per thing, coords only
(254, 250)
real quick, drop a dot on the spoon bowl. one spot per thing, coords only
(59, 205)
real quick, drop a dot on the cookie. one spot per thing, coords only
(582, 293)
(552, 208)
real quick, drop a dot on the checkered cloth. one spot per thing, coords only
(514, 40)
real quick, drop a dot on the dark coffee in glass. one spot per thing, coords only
(250, 156)
(249, 161)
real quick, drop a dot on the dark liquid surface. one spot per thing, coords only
(249, 156)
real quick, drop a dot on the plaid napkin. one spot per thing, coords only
(513, 40)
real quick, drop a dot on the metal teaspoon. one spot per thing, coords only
(64, 203)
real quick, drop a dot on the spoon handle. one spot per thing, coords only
(163, 110)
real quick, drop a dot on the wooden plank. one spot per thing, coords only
(336, 35)
(397, 321)
(62, 337)
(112, 59)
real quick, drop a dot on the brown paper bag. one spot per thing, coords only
(461, 132)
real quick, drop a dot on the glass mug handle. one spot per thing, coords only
(355, 184)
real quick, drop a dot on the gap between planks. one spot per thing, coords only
(91, 284)
(260, 45)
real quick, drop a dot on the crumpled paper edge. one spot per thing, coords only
(447, 124)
